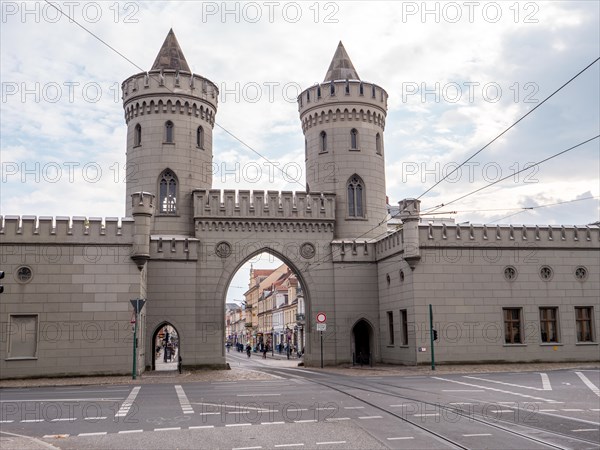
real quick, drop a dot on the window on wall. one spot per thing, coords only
(355, 197)
(169, 135)
(323, 137)
(549, 324)
(583, 320)
(390, 318)
(23, 337)
(354, 139)
(404, 322)
(137, 136)
(200, 137)
(378, 144)
(512, 326)
(305, 149)
(168, 193)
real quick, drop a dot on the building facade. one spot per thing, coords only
(500, 293)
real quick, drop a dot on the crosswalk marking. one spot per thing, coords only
(126, 406)
(183, 400)
(588, 383)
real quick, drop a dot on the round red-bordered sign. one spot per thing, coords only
(321, 317)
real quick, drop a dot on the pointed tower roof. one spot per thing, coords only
(341, 67)
(170, 56)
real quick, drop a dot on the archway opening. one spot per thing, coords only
(265, 310)
(362, 334)
(166, 344)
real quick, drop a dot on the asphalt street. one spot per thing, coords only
(308, 408)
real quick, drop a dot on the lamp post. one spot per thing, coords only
(272, 342)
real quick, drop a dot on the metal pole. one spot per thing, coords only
(431, 337)
(321, 349)
(133, 375)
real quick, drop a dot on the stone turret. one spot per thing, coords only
(343, 120)
(170, 114)
(142, 210)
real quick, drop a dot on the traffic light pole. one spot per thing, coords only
(431, 337)
(135, 326)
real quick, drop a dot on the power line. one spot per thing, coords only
(507, 129)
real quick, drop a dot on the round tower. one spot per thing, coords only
(343, 120)
(170, 114)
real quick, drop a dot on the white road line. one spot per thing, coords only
(477, 434)
(297, 409)
(238, 424)
(546, 382)
(6, 421)
(460, 403)
(402, 438)
(168, 429)
(584, 429)
(41, 400)
(305, 421)
(64, 419)
(130, 431)
(209, 414)
(354, 407)
(56, 436)
(126, 406)
(494, 389)
(245, 448)
(327, 408)
(290, 445)
(257, 395)
(98, 433)
(547, 410)
(183, 400)
(462, 390)
(32, 420)
(572, 410)
(336, 419)
(588, 383)
(272, 423)
(501, 410)
(95, 418)
(427, 415)
(594, 409)
(331, 442)
(200, 427)
(370, 417)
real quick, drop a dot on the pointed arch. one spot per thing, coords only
(378, 144)
(137, 135)
(168, 192)
(353, 139)
(169, 132)
(200, 137)
(355, 188)
(323, 142)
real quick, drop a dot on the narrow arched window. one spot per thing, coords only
(361, 89)
(318, 91)
(353, 139)
(167, 187)
(137, 135)
(373, 91)
(169, 132)
(200, 137)
(305, 149)
(323, 141)
(347, 87)
(378, 144)
(332, 89)
(355, 197)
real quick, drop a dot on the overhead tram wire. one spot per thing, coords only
(142, 70)
(511, 126)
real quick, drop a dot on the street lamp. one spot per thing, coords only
(272, 342)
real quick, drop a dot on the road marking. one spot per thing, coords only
(494, 389)
(209, 414)
(99, 433)
(354, 407)
(336, 419)
(396, 406)
(459, 403)
(477, 434)
(545, 383)
(548, 410)
(183, 400)
(64, 419)
(370, 417)
(572, 410)
(462, 390)
(427, 415)
(501, 410)
(324, 408)
(40, 400)
(200, 427)
(305, 421)
(331, 442)
(32, 420)
(245, 448)
(272, 423)
(238, 424)
(584, 429)
(594, 409)
(168, 429)
(297, 409)
(130, 431)
(400, 438)
(588, 383)
(257, 395)
(6, 421)
(56, 436)
(290, 445)
(126, 406)
(95, 418)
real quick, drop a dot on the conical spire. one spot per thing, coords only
(170, 56)
(341, 67)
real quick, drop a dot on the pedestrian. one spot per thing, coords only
(265, 348)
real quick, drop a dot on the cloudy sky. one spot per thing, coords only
(457, 76)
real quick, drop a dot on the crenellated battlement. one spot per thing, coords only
(180, 248)
(169, 91)
(360, 250)
(509, 235)
(214, 203)
(43, 229)
(362, 101)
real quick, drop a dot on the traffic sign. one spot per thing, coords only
(321, 317)
(321, 327)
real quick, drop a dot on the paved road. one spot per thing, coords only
(296, 407)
